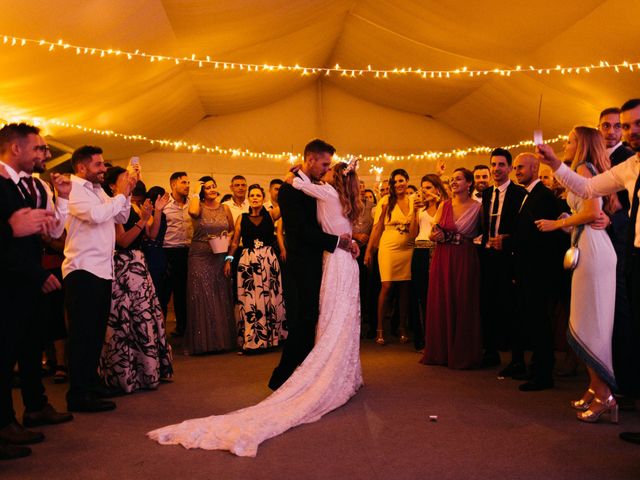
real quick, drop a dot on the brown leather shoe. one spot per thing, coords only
(47, 416)
(16, 434)
(10, 452)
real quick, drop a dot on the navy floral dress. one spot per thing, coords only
(135, 354)
(260, 307)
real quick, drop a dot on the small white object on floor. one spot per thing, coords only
(433, 418)
(500, 378)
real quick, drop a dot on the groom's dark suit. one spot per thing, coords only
(302, 274)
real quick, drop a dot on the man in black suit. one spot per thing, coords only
(500, 205)
(538, 270)
(21, 146)
(21, 223)
(305, 241)
(627, 374)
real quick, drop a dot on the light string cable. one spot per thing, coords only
(207, 61)
(183, 145)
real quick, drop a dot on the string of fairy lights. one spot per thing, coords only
(352, 72)
(291, 157)
(209, 62)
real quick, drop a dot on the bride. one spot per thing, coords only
(331, 373)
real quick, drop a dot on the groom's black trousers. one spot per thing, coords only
(301, 279)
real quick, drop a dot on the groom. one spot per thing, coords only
(305, 242)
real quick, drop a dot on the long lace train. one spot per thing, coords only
(330, 375)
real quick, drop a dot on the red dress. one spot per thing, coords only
(453, 334)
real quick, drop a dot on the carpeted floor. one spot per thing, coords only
(486, 428)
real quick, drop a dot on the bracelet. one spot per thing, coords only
(228, 258)
(136, 225)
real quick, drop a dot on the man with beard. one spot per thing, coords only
(624, 176)
(481, 178)
(88, 271)
(23, 286)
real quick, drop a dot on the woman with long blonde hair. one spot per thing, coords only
(594, 279)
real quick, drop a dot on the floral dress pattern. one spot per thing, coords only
(135, 354)
(260, 307)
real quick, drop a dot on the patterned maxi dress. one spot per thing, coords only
(210, 320)
(260, 305)
(135, 354)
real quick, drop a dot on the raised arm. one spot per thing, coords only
(603, 184)
(194, 206)
(318, 191)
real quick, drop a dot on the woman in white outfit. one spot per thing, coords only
(593, 286)
(331, 373)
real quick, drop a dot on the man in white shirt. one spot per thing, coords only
(22, 288)
(88, 271)
(177, 240)
(625, 175)
(238, 203)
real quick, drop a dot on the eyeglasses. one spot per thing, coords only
(609, 126)
(42, 148)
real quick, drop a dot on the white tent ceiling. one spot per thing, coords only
(280, 111)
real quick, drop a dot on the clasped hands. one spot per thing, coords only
(346, 243)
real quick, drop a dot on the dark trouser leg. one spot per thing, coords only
(8, 356)
(30, 358)
(374, 293)
(364, 285)
(301, 297)
(536, 321)
(496, 300)
(624, 344)
(88, 301)
(419, 288)
(157, 264)
(633, 289)
(178, 259)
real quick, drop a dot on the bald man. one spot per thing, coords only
(538, 269)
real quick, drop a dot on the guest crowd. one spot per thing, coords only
(469, 265)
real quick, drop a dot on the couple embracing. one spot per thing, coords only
(320, 365)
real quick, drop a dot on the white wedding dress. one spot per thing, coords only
(330, 375)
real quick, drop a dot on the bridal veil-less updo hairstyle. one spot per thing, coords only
(590, 147)
(348, 188)
(393, 196)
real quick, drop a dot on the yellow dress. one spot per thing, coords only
(396, 246)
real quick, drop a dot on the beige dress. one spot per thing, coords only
(396, 246)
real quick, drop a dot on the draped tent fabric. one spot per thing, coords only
(280, 111)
